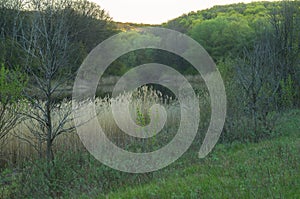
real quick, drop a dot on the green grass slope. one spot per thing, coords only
(269, 169)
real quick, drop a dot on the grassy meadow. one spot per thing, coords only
(267, 169)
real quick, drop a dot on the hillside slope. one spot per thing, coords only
(269, 169)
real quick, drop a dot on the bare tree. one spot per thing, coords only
(268, 73)
(260, 81)
(285, 22)
(47, 44)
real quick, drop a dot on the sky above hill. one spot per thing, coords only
(156, 11)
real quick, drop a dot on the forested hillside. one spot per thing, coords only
(255, 45)
(227, 30)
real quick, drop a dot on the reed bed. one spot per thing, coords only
(22, 144)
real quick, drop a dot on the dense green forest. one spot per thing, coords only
(255, 46)
(224, 31)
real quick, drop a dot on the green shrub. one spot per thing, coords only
(12, 84)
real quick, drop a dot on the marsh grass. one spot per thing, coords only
(24, 144)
